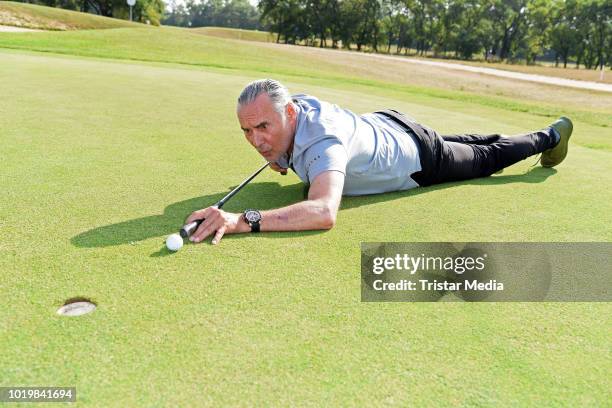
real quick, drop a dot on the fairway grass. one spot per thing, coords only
(547, 69)
(102, 159)
(51, 18)
(307, 64)
(235, 34)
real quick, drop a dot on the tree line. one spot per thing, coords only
(217, 13)
(578, 30)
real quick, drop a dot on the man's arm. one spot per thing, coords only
(317, 212)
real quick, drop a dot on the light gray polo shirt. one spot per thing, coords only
(374, 153)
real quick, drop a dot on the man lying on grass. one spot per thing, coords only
(340, 153)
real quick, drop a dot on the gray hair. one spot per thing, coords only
(277, 92)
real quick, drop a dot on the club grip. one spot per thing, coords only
(188, 229)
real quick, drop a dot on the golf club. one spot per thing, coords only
(188, 229)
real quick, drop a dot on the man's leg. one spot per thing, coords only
(471, 139)
(466, 161)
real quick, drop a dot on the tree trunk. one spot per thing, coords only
(106, 8)
(502, 51)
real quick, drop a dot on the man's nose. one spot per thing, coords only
(257, 139)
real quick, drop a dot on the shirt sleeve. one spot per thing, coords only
(325, 155)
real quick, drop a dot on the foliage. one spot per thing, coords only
(218, 13)
(498, 29)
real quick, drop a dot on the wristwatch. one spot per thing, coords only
(252, 217)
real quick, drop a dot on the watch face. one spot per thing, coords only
(252, 216)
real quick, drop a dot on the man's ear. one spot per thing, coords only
(291, 110)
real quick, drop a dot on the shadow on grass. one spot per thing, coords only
(258, 195)
(261, 196)
(534, 175)
(162, 252)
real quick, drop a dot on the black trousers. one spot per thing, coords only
(461, 157)
(471, 156)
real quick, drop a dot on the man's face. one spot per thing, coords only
(265, 129)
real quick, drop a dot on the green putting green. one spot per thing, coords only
(103, 158)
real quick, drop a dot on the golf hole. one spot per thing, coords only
(76, 307)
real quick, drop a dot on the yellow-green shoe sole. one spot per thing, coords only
(557, 154)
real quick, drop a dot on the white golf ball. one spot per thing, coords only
(174, 242)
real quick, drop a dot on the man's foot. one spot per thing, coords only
(551, 157)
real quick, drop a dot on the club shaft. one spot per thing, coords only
(188, 229)
(221, 202)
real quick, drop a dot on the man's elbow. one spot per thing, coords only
(328, 223)
(328, 218)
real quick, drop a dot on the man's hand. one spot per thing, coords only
(317, 212)
(278, 168)
(216, 221)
